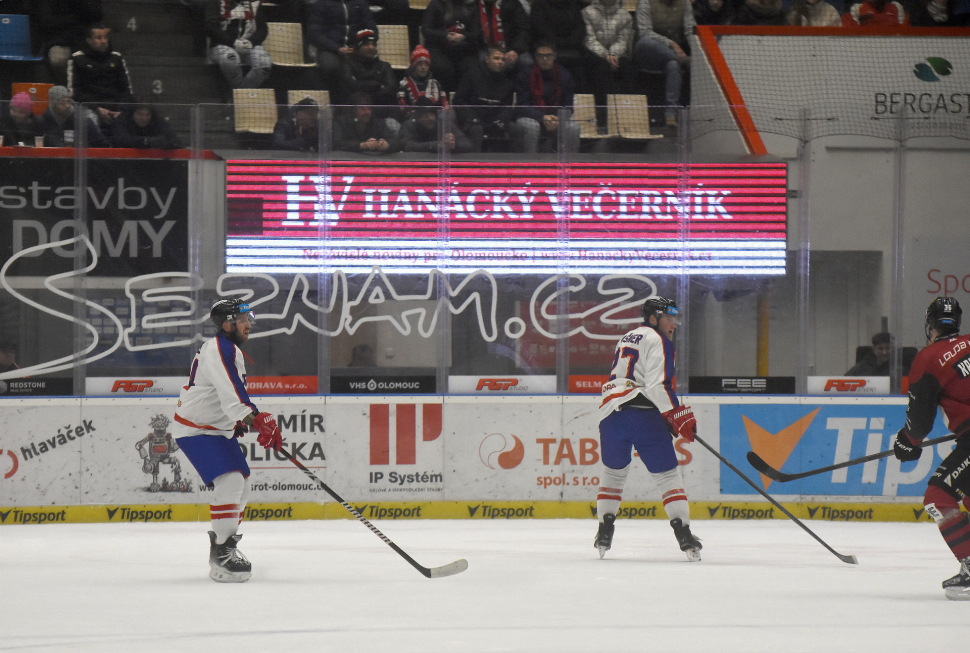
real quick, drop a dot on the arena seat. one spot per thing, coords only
(15, 38)
(395, 46)
(284, 43)
(584, 112)
(37, 93)
(632, 116)
(254, 110)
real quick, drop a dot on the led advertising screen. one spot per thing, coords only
(412, 216)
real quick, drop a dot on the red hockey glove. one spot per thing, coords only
(240, 429)
(681, 421)
(904, 449)
(269, 433)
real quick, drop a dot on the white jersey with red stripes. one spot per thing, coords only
(215, 397)
(643, 366)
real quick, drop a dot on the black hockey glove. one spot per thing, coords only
(904, 449)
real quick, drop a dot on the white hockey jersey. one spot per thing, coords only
(643, 366)
(215, 397)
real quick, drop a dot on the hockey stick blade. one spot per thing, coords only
(450, 569)
(848, 559)
(764, 468)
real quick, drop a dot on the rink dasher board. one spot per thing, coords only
(481, 511)
(452, 450)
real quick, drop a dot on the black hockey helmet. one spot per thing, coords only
(943, 315)
(658, 306)
(227, 310)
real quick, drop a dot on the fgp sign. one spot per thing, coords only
(797, 438)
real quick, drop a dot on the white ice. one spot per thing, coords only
(530, 586)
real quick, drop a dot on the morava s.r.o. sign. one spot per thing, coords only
(136, 215)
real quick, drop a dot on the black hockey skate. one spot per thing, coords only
(227, 563)
(958, 587)
(604, 536)
(688, 543)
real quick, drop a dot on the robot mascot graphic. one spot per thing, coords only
(158, 448)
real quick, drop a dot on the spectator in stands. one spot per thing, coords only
(452, 33)
(418, 83)
(19, 125)
(58, 26)
(560, 23)
(364, 72)
(813, 13)
(935, 13)
(58, 122)
(483, 102)
(420, 132)
(542, 92)
(8, 357)
(713, 12)
(876, 361)
(760, 12)
(139, 126)
(875, 13)
(332, 29)
(300, 131)
(664, 26)
(357, 130)
(505, 23)
(97, 76)
(236, 31)
(609, 39)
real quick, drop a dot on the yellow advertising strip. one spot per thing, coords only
(480, 510)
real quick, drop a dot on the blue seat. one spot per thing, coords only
(15, 38)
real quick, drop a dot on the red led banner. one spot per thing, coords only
(505, 215)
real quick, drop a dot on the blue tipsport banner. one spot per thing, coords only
(796, 438)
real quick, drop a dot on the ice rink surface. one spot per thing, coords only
(531, 586)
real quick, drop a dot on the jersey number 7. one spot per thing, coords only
(628, 357)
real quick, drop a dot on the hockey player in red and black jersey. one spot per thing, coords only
(640, 410)
(940, 377)
(214, 408)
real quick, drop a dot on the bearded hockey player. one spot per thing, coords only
(214, 409)
(640, 410)
(940, 377)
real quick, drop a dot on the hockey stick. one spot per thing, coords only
(450, 569)
(764, 468)
(850, 559)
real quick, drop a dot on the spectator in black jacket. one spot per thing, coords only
(543, 92)
(236, 31)
(58, 122)
(357, 130)
(332, 28)
(97, 76)
(420, 133)
(483, 102)
(364, 72)
(140, 126)
(714, 12)
(300, 131)
(58, 27)
(560, 23)
(452, 31)
(19, 125)
(505, 23)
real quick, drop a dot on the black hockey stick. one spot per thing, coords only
(450, 569)
(764, 468)
(850, 559)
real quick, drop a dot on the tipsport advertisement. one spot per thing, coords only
(801, 437)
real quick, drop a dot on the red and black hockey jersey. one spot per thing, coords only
(940, 376)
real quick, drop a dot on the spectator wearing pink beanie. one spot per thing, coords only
(19, 125)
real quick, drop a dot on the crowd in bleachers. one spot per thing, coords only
(509, 66)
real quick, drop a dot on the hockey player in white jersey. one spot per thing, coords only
(214, 409)
(640, 409)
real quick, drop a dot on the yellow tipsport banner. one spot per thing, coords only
(481, 510)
